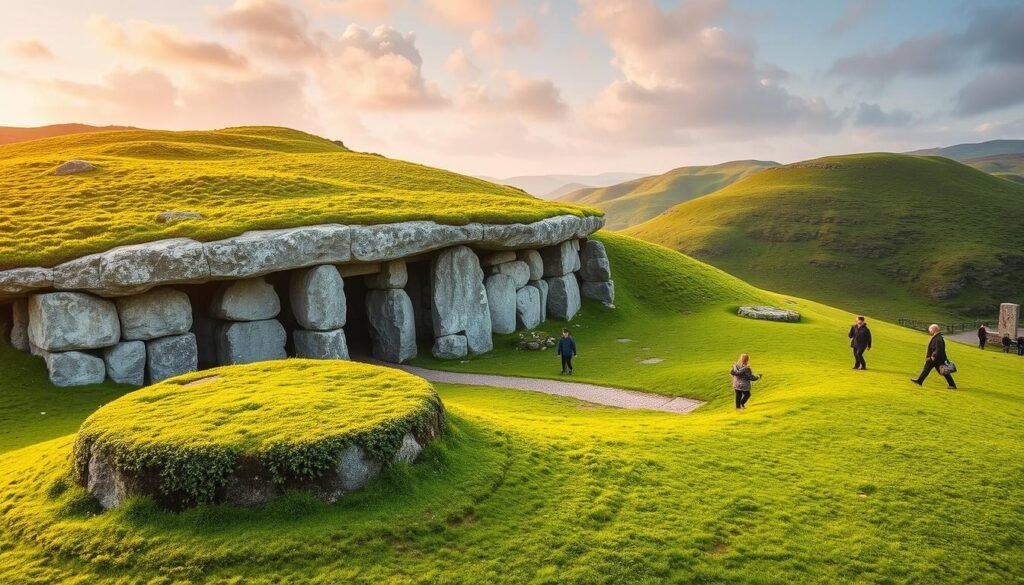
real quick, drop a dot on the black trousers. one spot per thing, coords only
(742, 396)
(982, 341)
(929, 365)
(566, 363)
(858, 358)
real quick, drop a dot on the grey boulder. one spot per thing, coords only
(534, 261)
(158, 313)
(171, 356)
(74, 368)
(126, 363)
(459, 299)
(73, 166)
(450, 347)
(22, 280)
(318, 298)
(501, 301)
(140, 267)
(563, 297)
(519, 271)
(253, 299)
(64, 321)
(251, 341)
(560, 260)
(392, 325)
(320, 345)
(528, 307)
(599, 291)
(594, 265)
(495, 258)
(261, 252)
(392, 275)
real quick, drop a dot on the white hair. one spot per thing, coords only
(933, 328)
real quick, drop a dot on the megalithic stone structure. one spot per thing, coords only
(1009, 317)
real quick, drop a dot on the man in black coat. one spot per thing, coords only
(935, 358)
(982, 336)
(860, 341)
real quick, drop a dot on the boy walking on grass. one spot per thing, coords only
(566, 349)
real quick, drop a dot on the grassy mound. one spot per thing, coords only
(293, 418)
(1004, 166)
(238, 178)
(891, 235)
(636, 201)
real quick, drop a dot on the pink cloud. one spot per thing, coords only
(33, 49)
(534, 99)
(142, 97)
(166, 45)
(359, 9)
(464, 14)
(272, 27)
(460, 65)
(494, 43)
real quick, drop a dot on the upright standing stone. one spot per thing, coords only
(450, 347)
(560, 260)
(321, 345)
(392, 275)
(459, 300)
(1009, 317)
(318, 298)
(533, 261)
(19, 326)
(253, 299)
(251, 341)
(126, 363)
(519, 271)
(74, 368)
(392, 325)
(158, 313)
(542, 288)
(501, 301)
(171, 356)
(528, 307)
(599, 291)
(594, 264)
(563, 297)
(64, 321)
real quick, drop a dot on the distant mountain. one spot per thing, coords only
(551, 186)
(633, 202)
(1007, 166)
(966, 152)
(10, 134)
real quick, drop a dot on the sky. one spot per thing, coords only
(513, 87)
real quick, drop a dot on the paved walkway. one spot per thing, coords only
(586, 392)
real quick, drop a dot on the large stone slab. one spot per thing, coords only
(320, 345)
(546, 232)
(519, 271)
(126, 363)
(542, 288)
(73, 167)
(501, 302)
(19, 325)
(392, 325)
(533, 261)
(450, 347)
(318, 298)
(251, 341)
(374, 243)
(563, 297)
(1009, 317)
(560, 260)
(253, 299)
(599, 291)
(392, 275)
(260, 252)
(171, 356)
(23, 280)
(528, 307)
(459, 300)
(769, 314)
(74, 368)
(594, 264)
(158, 313)
(63, 321)
(138, 268)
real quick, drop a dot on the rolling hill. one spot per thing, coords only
(885, 234)
(552, 186)
(632, 202)
(965, 152)
(1006, 166)
(11, 134)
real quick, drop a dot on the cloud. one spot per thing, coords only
(272, 27)
(32, 49)
(460, 65)
(999, 34)
(533, 99)
(494, 43)
(1012, 128)
(463, 14)
(856, 12)
(931, 55)
(872, 116)
(141, 97)
(166, 45)
(375, 10)
(991, 90)
(264, 100)
(682, 74)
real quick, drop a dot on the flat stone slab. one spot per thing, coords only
(651, 361)
(769, 314)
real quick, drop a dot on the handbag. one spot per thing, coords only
(947, 368)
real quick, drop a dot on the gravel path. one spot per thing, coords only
(585, 392)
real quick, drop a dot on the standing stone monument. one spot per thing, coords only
(1009, 317)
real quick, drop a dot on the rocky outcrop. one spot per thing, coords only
(72, 321)
(176, 216)
(392, 325)
(769, 314)
(126, 363)
(158, 313)
(73, 167)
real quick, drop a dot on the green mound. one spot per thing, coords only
(627, 204)
(1004, 166)
(238, 178)
(293, 418)
(891, 235)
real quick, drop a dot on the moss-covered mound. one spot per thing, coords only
(237, 179)
(244, 434)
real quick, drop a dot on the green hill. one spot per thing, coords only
(965, 152)
(829, 476)
(627, 204)
(10, 134)
(238, 178)
(891, 235)
(1005, 166)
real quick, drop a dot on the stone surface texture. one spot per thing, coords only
(501, 302)
(19, 325)
(528, 308)
(560, 260)
(599, 291)
(171, 356)
(392, 325)
(563, 297)
(64, 321)
(72, 167)
(1009, 318)
(126, 363)
(533, 261)
(253, 299)
(392, 275)
(318, 298)
(74, 368)
(450, 347)
(594, 264)
(251, 341)
(542, 288)
(158, 313)
(320, 345)
(459, 299)
(519, 271)
(769, 314)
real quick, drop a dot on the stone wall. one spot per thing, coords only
(268, 301)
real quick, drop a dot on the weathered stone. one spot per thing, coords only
(450, 347)
(563, 297)
(769, 314)
(374, 243)
(560, 260)
(594, 264)
(64, 321)
(599, 291)
(1009, 317)
(534, 261)
(253, 299)
(409, 451)
(546, 232)
(542, 288)
(528, 307)
(141, 267)
(356, 468)
(73, 166)
(158, 313)
(495, 258)
(320, 345)
(519, 271)
(19, 325)
(392, 325)
(256, 253)
(74, 368)
(176, 216)
(126, 363)
(105, 483)
(251, 341)
(318, 298)
(171, 356)
(22, 280)
(459, 300)
(392, 275)
(79, 274)
(501, 302)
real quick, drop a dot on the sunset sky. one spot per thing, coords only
(506, 87)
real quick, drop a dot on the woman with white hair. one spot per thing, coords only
(936, 359)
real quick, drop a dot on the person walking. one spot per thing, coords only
(935, 358)
(982, 336)
(1020, 345)
(742, 376)
(566, 349)
(860, 341)
(1007, 342)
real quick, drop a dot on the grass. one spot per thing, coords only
(892, 235)
(633, 202)
(830, 476)
(238, 178)
(1004, 166)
